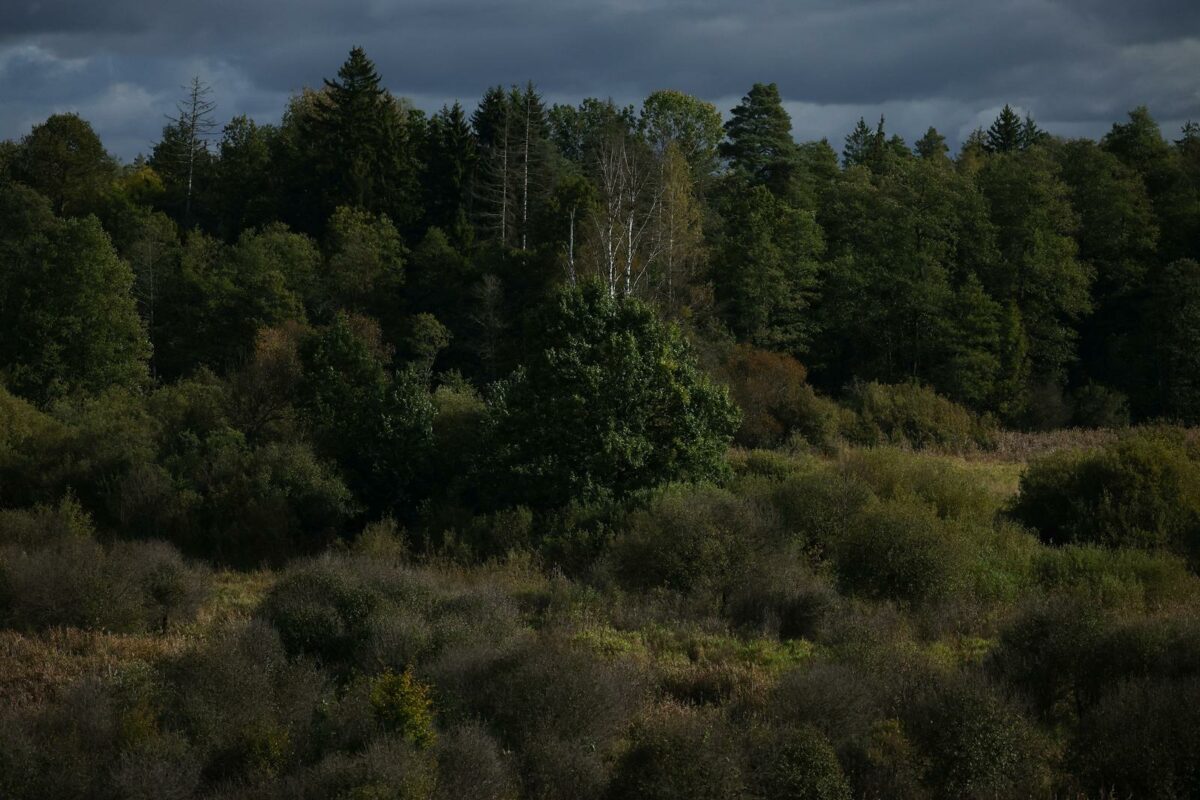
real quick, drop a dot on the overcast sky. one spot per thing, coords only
(1077, 65)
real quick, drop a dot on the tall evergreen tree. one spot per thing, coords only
(759, 141)
(765, 270)
(362, 149)
(1006, 133)
(932, 146)
(451, 163)
(858, 144)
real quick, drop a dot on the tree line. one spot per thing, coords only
(1043, 281)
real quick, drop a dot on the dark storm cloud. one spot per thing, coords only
(1077, 64)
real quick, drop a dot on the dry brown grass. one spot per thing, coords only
(34, 666)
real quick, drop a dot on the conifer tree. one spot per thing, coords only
(452, 159)
(1006, 133)
(932, 146)
(362, 149)
(759, 141)
(858, 144)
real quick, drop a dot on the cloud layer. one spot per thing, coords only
(1077, 65)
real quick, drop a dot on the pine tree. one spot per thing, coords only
(932, 146)
(1005, 134)
(759, 141)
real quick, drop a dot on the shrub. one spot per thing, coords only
(974, 744)
(53, 573)
(912, 415)
(899, 552)
(1045, 652)
(472, 765)
(1141, 491)
(679, 753)
(1097, 406)
(839, 700)
(817, 508)
(245, 706)
(797, 763)
(403, 707)
(388, 768)
(1114, 577)
(321, 609)
(1141, 741)
(163, 768)
(893, 474)
(691, 538)
(781, 597)
(777, 404)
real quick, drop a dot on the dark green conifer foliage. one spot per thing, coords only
(759, 141)
(453, 154)
(1006, 133)
(361, 144)
(932, 146)
(858, 144)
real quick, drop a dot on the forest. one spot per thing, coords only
(597, 451)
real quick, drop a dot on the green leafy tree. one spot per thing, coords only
(68, 318)
(611, 402)
(375, 423)
(692, 125)
(63, 159)
(216, 298)
(1176, 197)
(1170, 332)
(1118, 237)
(364, 269)
(765, 269)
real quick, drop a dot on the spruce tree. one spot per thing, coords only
(452, 158)
(858, 144)
(362, 147)
(1005, 134)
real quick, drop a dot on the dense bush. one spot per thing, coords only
(797, 763)
(1141, 741)
(776, 402)
(975, 745)
(679, 753)
(900, 552)
(1140, 491)
(915, 416)
(54, 573)
(691, 539)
